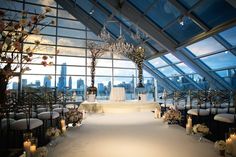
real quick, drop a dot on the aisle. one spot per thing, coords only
(130, 135)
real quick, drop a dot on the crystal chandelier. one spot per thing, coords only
(118, 46)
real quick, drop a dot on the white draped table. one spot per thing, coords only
(117, 94)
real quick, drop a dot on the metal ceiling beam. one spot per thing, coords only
(186, 12)
(153, 31)
(181, 72)
(144, 24)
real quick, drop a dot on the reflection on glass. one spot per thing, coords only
(123, 64)
(206, 46)
(230, 36)
(220, 60)
(172, 58)
(157, 62)
(185, 68)
(168, 71)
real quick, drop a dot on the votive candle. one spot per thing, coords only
(233, 138)
(33, 148)
(229, 145)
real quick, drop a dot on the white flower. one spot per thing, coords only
(220, 145)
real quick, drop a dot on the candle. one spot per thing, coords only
(189, 121)
(33, 148)
(27, 145)
(155, 113)
(63, 123)
(229, 145)
(233, 138)
(188, 129)
(83, 114)
(159, 114)
(63, 129)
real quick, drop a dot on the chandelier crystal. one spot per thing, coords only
(118, 46)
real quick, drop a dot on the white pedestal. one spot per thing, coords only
(117, 94)
(143, 97)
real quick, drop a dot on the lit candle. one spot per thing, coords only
(27, 145)
(159, 114)
(233, 138)
(189, 122)
(155, 113)
(188, 129)
(63, 123)
(83, 114)
(63, 129)
(33, 148)
(229, 145)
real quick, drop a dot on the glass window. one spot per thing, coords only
(42, 38)
(71, 33)
(185, 68)
(128, 83)
(41, 49)
(100, 71)
(65, 14)
(188, 3)
(168, 71)
(140, 5)
(91, 35)
(36, 81)
(220, 60)
(39, 9)
(48, 30)
(71, 42)
(103, 85)
(68, 83)
(70, 60)
(230, 36)
(40, 69)
(172, 58)
(146, 74)
(103, 62)
(71, 51)
(205, 46)
(11, 5)
(70, 70)
(155, 45)
(43, 2)
(163, 12)
(124, 72)
(215, 12)
(70, 24)
(182, 32)
(123, 64)
(157, 62)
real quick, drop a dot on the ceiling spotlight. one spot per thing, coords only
(181, 20)
(91, 11)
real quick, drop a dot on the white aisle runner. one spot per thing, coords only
(130, 135)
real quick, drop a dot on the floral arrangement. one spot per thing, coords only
(200, 128)
(53, 132)
(172, 115)
(41, 152)
(74, 116)
(220, 145)
(14, 54)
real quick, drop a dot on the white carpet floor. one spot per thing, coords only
(130, 135)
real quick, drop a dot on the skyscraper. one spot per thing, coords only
(80, 87)
(47, 81)
(70, 83)
(62, 79)
(24, 82)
